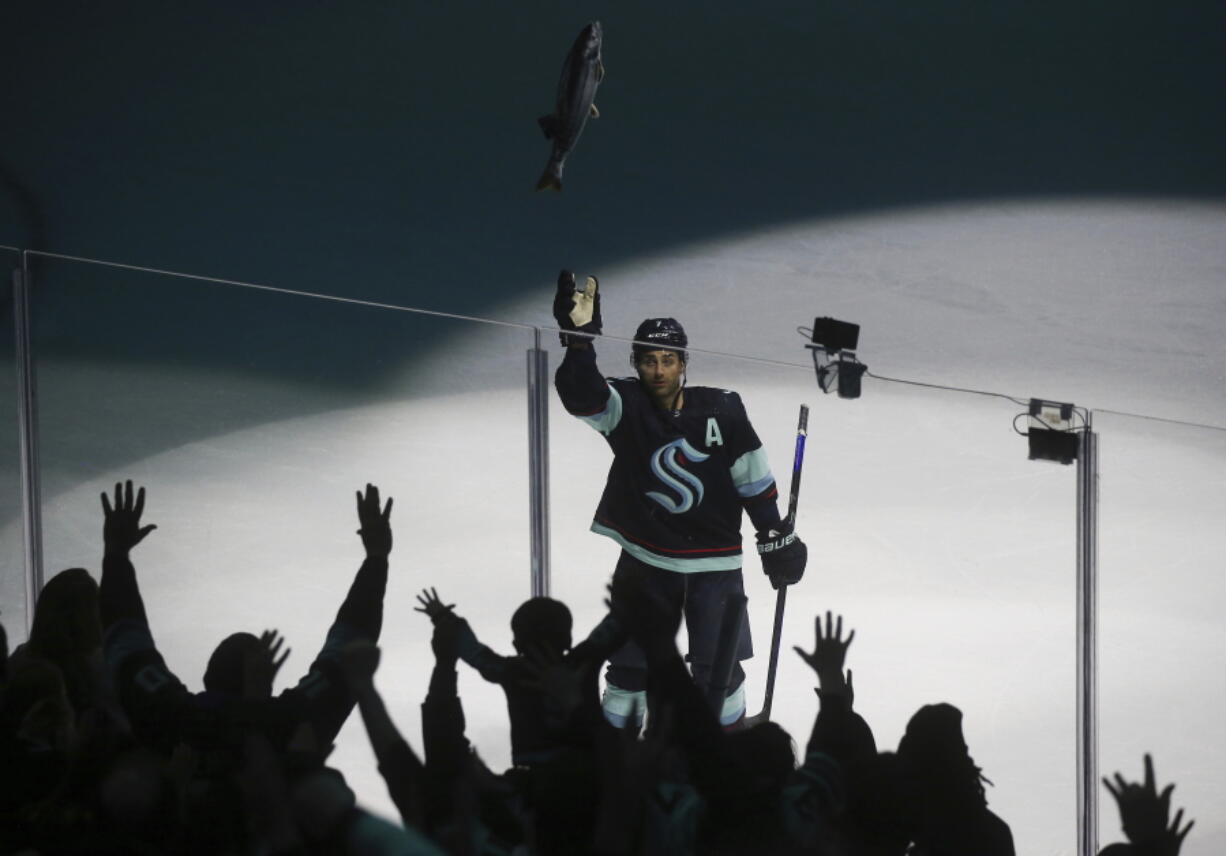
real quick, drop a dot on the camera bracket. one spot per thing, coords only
(833, 345)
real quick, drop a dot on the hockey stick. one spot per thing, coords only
(802, 431)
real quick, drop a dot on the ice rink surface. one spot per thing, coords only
(950, 553)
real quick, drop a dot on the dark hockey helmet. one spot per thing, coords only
(664, 334)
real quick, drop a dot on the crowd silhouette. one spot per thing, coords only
(104, 750)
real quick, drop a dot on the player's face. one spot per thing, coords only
(661, 373)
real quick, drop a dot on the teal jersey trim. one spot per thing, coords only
(751, 473)
(734, 706)
(606, 420)
(683, 566)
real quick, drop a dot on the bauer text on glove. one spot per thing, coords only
(783, 556)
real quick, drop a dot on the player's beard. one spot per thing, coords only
(667, 397)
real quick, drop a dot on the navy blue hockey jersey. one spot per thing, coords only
(679, 479)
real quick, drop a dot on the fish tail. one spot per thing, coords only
(551, 179)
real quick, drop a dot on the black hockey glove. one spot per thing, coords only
(577, 309)
(783, 556)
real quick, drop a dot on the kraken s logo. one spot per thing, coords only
(668, 470)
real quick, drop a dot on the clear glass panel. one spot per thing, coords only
(929, 530)
(253, 417)
(12, 553)
(1162, 594)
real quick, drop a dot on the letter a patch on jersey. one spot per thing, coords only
(688, 486)
(714, 438)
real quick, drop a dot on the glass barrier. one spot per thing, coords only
(252, 417)
(950, 553)
(12, 549)
(1162, 593)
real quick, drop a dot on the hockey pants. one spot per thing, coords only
(701, 598)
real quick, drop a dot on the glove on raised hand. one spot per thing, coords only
(577, 310)
(783, 555)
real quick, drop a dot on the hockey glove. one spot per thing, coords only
(783, 556)
(577, 310)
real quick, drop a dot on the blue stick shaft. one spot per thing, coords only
(798, 460)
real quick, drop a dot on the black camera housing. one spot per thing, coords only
(834, 335)
(1048, 445)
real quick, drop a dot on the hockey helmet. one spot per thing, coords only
(664, 334)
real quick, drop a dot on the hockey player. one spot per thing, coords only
(686, 462)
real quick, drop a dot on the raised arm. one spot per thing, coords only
(442, 725)
(118, 593)
(400, 767)
(828, 656)
(577, 310)
(580, 385)
(151, 696)
(837, 730)
(1145, 814)
(323, 691)
(489, 664)
(362, 610)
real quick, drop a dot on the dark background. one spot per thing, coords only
(388, 150)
